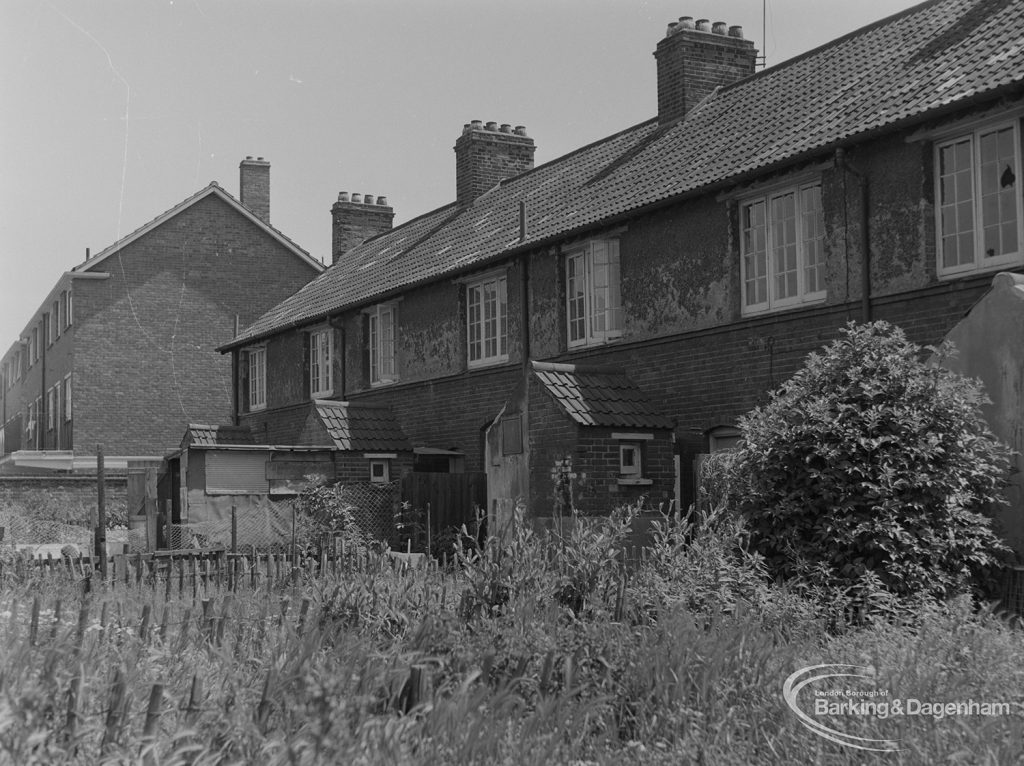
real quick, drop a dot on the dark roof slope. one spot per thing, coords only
(594, 396)
(360, 427)
(199, 435)
(933, 57)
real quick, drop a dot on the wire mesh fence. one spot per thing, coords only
(359, 510)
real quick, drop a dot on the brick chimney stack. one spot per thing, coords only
(486, 154)
(355, 218)
(254, 186)
(694, 58)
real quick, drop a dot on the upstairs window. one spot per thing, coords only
(67, 398)
(257, 378)
(978, 200)
(592, 294)
(320, 379)
(34, 347)
(782, 237)
(65, 314)
(55, 321)
(487, 321)
(382, 345)
(51, 409)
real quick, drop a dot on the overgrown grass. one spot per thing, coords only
(532, 652)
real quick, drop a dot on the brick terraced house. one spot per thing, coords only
(699, 256)
(122, 352)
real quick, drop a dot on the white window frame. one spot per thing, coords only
(382, 320)
(768, 253)
(385, 470)
(51, 408)
(979, 263)
(593, 310)
(257, 361)
(55, 321)
(631, 468)
(34, 347)
(68, 313)
(67, 398)
(487, 321)
(321, 361)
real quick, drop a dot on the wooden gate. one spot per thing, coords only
(453, 497)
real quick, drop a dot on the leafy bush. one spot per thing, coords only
(326, 510)
(871, 470)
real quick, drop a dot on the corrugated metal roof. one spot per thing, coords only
(356, 427)
(597, 396)
(912, 65)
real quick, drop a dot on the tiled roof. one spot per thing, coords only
(198, 435)
(913, 66)
(594, 396)
(358, 427)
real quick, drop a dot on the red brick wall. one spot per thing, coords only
(146, 362)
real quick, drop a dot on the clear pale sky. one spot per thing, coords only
(112, 111)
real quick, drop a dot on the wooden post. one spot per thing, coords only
(100, 546)
(156, 696)
(234, 529)
(72, 715)
(113, 722)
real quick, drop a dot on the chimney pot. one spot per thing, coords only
(671, 29)
(703, 25)
(483, 160)
(718, 28)
(466, 128)
(686, 22)
(248, 156)
(736, 31)
(353, 224)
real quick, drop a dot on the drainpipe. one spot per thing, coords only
(44, 405)
(865, 270)
(524, 293)
(235, 403)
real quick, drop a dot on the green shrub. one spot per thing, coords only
(872, 471)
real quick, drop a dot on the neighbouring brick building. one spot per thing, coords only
(703, 252)
(122, 352)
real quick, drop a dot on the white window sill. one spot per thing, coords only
(321, 394)
(489, 362)
(991, 267)
(635, 482)
(257, 408)
(762, 310)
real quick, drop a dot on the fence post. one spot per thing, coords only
(100, 539)
(149, 729)
(234, 529)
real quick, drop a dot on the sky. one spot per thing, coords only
(113, 111)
